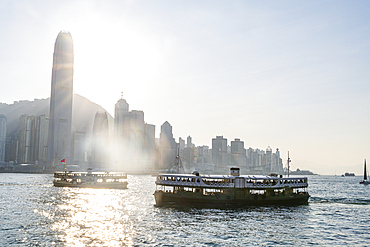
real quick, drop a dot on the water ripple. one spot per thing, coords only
(33, 213)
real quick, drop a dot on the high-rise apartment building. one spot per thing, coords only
(26, 137)
(219, 152)
(100, 142)
(181, 144)
(134, 131)
(268, 160)
(149, 145)
(238, 153)
(120, 113)
(203, 154)
(134, 140)
(32, 139)
(3, 122)
(79, 149)
(60, 120)
(167, 147)
(42, 127)
(188, 142)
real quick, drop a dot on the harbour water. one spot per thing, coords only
(34, 213)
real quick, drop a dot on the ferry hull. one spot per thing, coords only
(91, 185)
(168, 199)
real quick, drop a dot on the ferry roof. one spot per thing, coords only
(227, 176)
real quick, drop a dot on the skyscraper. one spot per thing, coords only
(238, 153)
(134, 139)
(268, 159)
(167, 147)
(120, 113)
(2, 137)
(32, 139)
(100, 144)
(219, 152)
(60, 120)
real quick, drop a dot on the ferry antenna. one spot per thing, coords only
(288, 161)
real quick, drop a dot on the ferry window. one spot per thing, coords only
(178, 179)
(198, 180)
(193, 179)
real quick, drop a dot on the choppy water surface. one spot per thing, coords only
(34, 213)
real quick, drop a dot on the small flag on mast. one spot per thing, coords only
(63, 160)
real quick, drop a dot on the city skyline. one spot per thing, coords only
(287, 75)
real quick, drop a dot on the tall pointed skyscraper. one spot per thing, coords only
(60, 121)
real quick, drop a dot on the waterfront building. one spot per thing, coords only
(188, 142)
(120, 113)
(79, 150)
(60, 119)
(8, 145)
(149, 147)
(100, 142)
(181, 144)
(42, 131)
(264, 162)
(3, 122)
(203, 155)
(219, 152)
(26, 138)
(134, 131)
(268, 160)
(134, 140)
(189, 159)
(238, 154)
(32, 139)
(167, 147)
(277, 163)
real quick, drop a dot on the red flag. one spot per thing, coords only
(63, 160)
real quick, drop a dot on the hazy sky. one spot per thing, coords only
(287, 74)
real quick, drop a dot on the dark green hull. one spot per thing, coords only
(197, 199)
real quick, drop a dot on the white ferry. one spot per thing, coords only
(89, 179)
(230, 190)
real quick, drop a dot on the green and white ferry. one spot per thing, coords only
(230, 190)
(89, 179)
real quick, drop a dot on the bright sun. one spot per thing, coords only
(110, 58)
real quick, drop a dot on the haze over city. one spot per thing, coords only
(290, 75)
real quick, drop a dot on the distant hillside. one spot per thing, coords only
(83, 112)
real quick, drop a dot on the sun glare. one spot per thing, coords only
(96, 217)
(110, 58)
